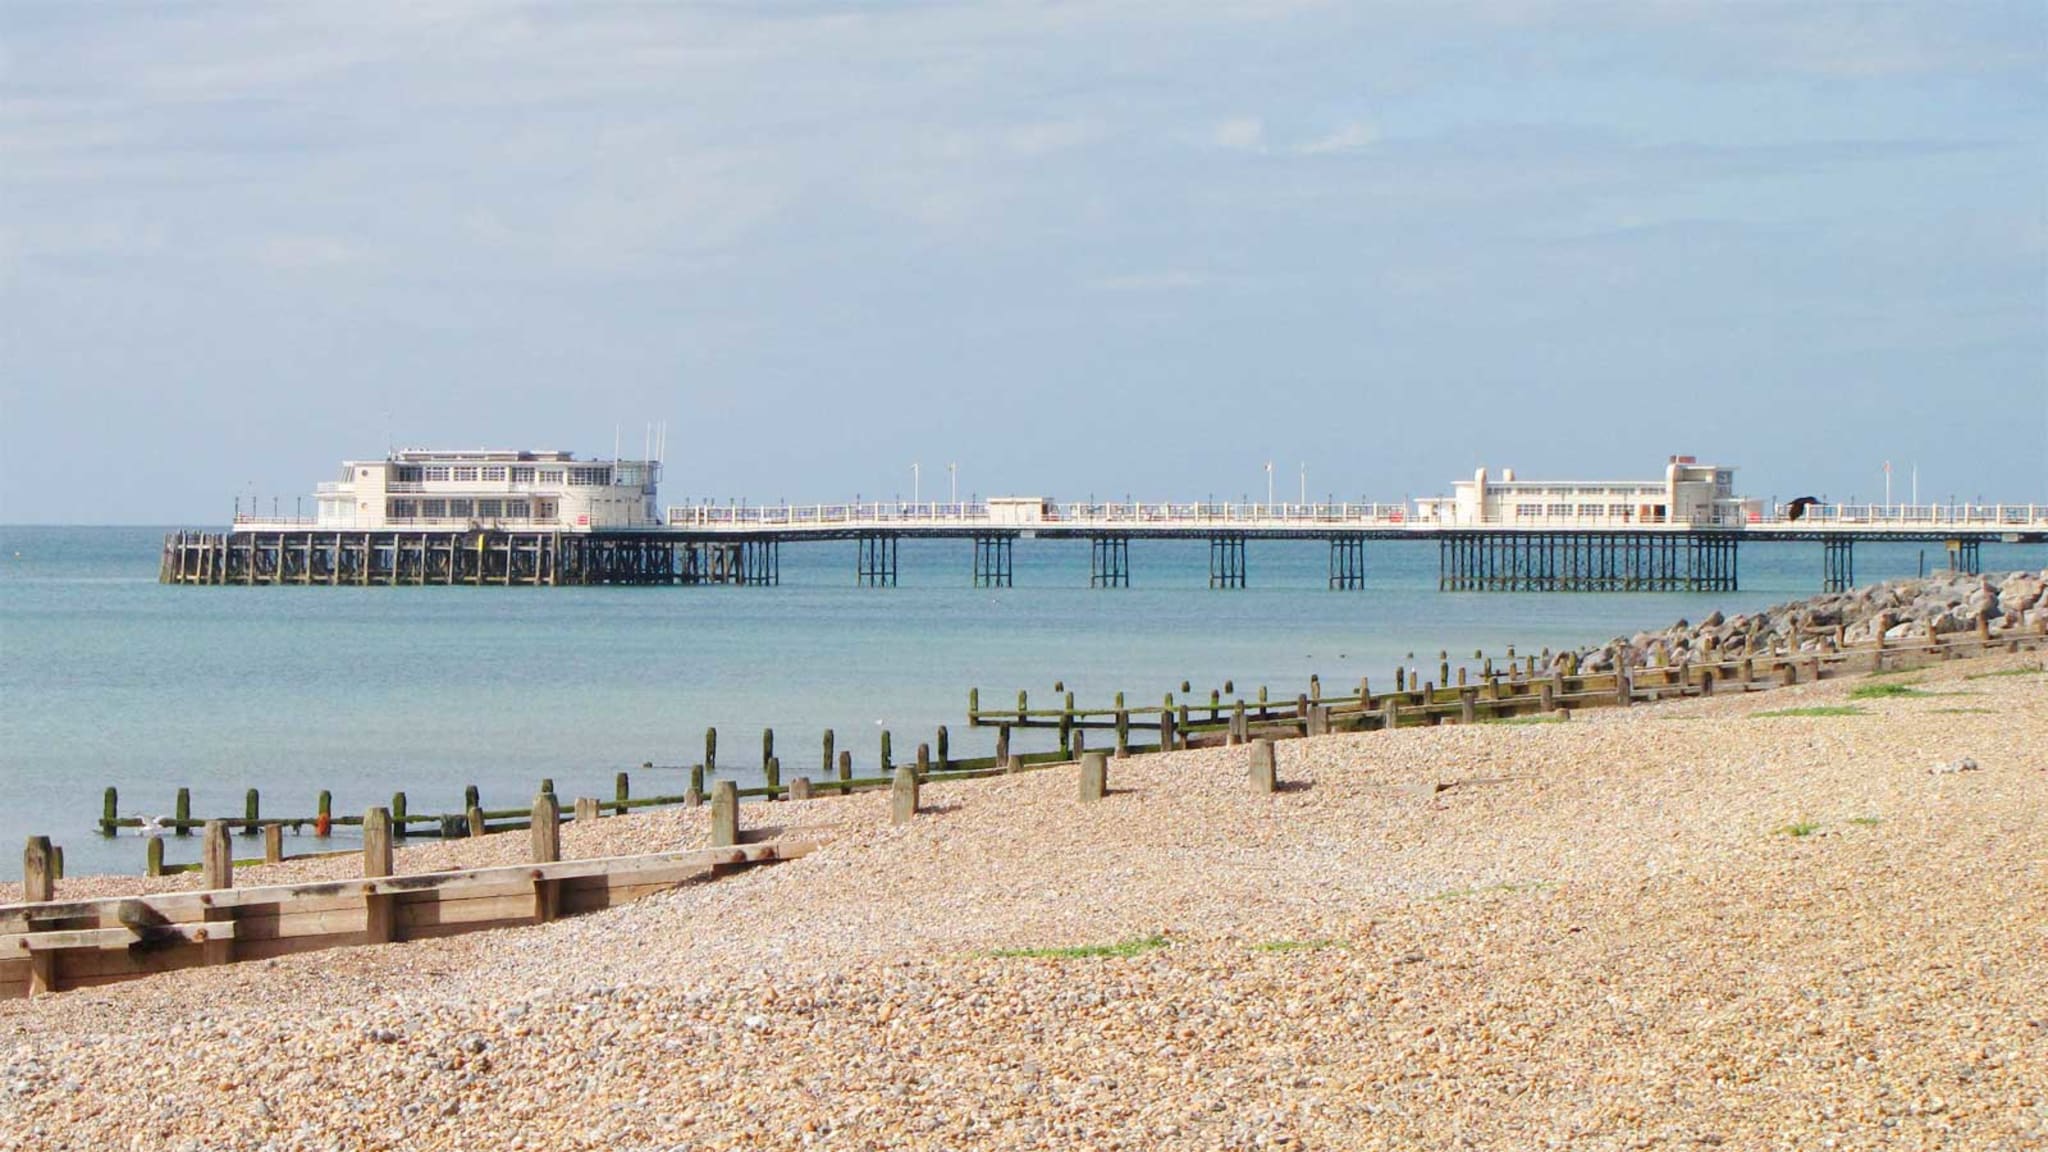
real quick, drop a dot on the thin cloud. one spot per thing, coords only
(1353, 137)
(1170, 280)
(1243, 133)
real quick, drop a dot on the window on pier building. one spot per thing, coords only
(518, 509)
(1528, 510)
(490, 509)
(544, 511)
(1558, 510)
(522, 475)
(406, 474)
(551, 476)
(1591, 509)
(465, 474)
(590, 477)
(461, 509)
(401, 509)
(435, 473)
(433, 509)
(495, 472)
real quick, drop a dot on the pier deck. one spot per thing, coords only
(742, 545)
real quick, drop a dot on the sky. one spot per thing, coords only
(1070, 249)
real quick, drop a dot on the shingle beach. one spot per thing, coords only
(1678, 926)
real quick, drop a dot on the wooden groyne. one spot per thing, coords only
(47, 945)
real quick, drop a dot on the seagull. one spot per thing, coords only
(152, 826)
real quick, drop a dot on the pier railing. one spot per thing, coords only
(1134, 514)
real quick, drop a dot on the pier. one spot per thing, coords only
(706, 545)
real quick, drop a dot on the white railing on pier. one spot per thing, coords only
(904, 516)
(1903, 517)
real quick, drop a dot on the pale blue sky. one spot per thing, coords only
(1077, 248)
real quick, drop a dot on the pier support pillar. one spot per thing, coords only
(1963, 557)
(876, 564)
(1226, 561)
(1109, 562)
(992, 568)
(1838, 564)
(1347, 562)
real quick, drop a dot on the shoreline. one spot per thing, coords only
(1636, 943)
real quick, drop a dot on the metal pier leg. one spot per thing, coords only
(1109, 562)
(1226, 561)
(1963, 557)
(1838, 564)
(992, 565)
(1347, 562)
(876, 565)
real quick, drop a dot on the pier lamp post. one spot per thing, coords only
(1269, 487)
(916, 483)
(953, 476)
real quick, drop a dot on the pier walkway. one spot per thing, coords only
(735, 544)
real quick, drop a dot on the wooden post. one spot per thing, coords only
(1468, 706)
(1624, 688)
(710, 751)
(1390, 712)
(1023, 704)
(250, 812)
(1067, 728)
(1240, 728)
(1123, 733)
(1181, 728)
(1002, 742)
(1546, 697)
(697, 779)
(1013, 765)
(377, 842)
(800, 788)
(39, 886)
(725, 814)
(273, 843)
(217, 857)
(888, 759)
(38, 879)
(846, 766)
(323, 813)
(477, 827)
(771, 774)
(1263, 772)
(586, 809)
(153, 857)
(903, 796)
(767, 747)
(181, 814)
(944, 750)
(825, 772)
(973, 708)
(110, 810)
(1080, 742)
(398, 810)
(1094, 777)
(924, 761)
(622, 790)
(546, 840)
(1166, 731)
(1788, 673)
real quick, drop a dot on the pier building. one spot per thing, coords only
(546, 518)
(497, 490)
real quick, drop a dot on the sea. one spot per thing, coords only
(108, 678)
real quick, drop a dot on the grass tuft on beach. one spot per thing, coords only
(1884, 691)
(1815, 711)
(1136, 947)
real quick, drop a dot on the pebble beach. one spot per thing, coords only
(1687, 925)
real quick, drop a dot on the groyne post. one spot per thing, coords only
(110, 810)
(903, 796)
(273, 843)
(251, 804)
(1094, 777)
(546, 840)
(39, 886)
(725, 814)
(181, 812)
(217, 857)
(1263, 772)
(153, 857)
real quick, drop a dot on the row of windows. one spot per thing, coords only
(459, 509)
(1593, 490)
(496, 473)
(1584, 511)
(590, 477)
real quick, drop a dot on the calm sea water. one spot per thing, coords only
(107, 677)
